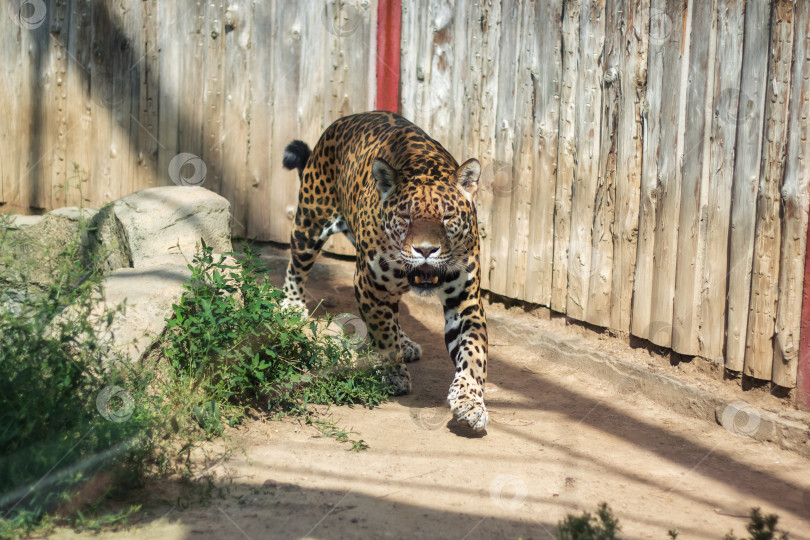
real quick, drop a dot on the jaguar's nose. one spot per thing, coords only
(424, 251)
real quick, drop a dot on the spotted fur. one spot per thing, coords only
(406, 205)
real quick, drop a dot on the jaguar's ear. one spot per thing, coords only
(385, 176)
(467, 176)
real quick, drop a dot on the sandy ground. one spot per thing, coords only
(558, 442)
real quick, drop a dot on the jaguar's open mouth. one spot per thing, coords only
(424, 278)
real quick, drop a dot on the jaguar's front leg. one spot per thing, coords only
(465, 333)
(380, 312)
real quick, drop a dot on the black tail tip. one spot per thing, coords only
(296, 155)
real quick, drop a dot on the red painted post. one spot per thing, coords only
(389, 26)
(803, 378)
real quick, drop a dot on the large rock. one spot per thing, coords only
(144, 243)
(156, 231)
(145, 297)
(163, 221)
(32, 248)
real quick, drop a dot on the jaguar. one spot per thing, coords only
(407, 206)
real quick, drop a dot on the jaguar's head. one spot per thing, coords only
(430, 221)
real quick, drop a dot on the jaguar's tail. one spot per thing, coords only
(296, 155)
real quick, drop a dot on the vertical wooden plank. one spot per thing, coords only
(490, 16)
(191, 32)
(423, 103)
(56, 103)
(146, 128)
(213, 129)
(462, 71)
(546, 76)
(313, 77)
(238, 26)
(692, 230)
(505, 143)
(357, 43)
(519, 189)
(281, 198)
(632, 82)
(583, 197)
(658, 26)
(47, 59)
(102, 95)
(470, 46)
(601, 265)
(123, 101)
(14, 131)
(411, 17)
(750, 112)
(727, 69)
(795, 198)
(441, 24)
(566, 153)
(78, 148)
(675, 56)
(759, 344)
(265, 51)
(169, 90)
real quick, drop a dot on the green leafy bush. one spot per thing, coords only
(761, 527)
(602, 526)
(58, 424)
(232, 344)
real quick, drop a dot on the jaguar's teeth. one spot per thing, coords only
(417, 279)
(435, 280)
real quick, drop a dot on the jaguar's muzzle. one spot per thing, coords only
(425, 278)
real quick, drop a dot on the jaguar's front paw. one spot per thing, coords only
(294, 305)
(411, 351)
(400, 379)
(467, 403)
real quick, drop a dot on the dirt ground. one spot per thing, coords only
(558, 442)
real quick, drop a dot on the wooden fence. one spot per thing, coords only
(646, 162)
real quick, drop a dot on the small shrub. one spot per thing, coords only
(54, 368)
(603, 526)
(761, 527)
(234, 347)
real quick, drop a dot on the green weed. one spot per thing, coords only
(68, 408)
(234, 347)
(760, 527)
(602, 526)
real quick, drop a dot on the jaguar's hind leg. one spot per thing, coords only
(308, 237)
